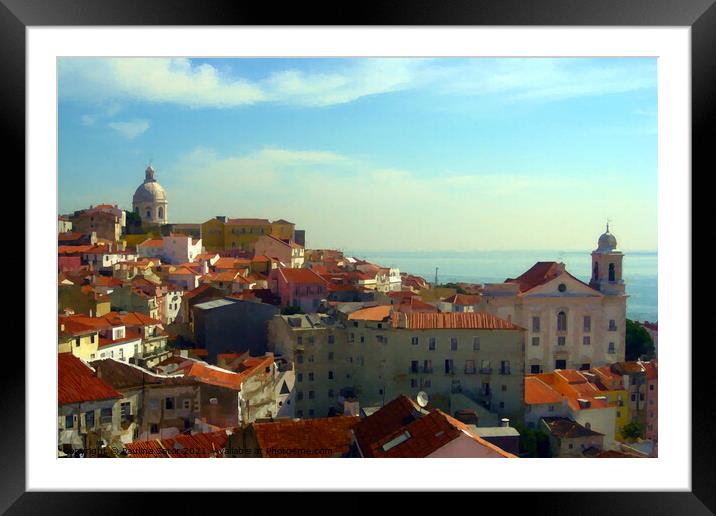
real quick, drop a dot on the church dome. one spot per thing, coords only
(150, 191)
(607, 242)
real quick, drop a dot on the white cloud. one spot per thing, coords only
(183, 82)
(130, 129)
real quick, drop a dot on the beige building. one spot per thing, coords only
(374, 355)
(570, 324)
(150, 201)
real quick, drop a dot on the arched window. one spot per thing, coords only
(561, 321)
(612, 272)
(149, 213)
(595, 272)
(160, 213)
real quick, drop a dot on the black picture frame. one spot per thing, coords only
(700, 15)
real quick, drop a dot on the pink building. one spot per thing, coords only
(298, 287)
(652, 399)
(287, 252)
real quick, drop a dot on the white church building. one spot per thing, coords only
(570, 324)
(150, 201)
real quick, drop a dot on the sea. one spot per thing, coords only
(640, 270)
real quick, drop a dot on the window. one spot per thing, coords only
(414, 366)
(427, 366)
(331, 339)
(169, 403)
(413, 383)
(503, 388)
(330, 355)
(587, 323)
(311, 412)
(612, 325)
(186, 404)
(486, 389)
(414, 341)
(299, 340)
(351, 337)
(485, 367)
(535, 341)
(633, 397)
(505, 367)
(125, 410)
(89, 419)
(331, 394)
(612, 272)
(105, 415)
(584, 367)
(534, 369)
(362, 339)
(311, 340)
(561, 321)
(586, 340)
(299, 413)
(560, 364)
(154, 428)
(69, 421)
(310, 377)
(448, 366)
(330, 375)
(562, 287)
(551, 408)
(92, 339)
(453, 344)
(77, 342)
(299, 358)
(612, 349)
(651, 387)
(299, 395)
(476, 343)
(502, 404)
(561, 341)
(432, 344)
(535, 324)
(311, 395)
(299, 377)
(469, 367)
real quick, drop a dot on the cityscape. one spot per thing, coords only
(183, 332)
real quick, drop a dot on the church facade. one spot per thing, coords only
(570, 324)
(150, 201)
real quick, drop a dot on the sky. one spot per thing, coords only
(437, 154)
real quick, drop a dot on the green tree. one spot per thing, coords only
(457, 287)
(638, 341)
(533, 443)
(633, 430)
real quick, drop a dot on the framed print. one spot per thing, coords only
(444, 231)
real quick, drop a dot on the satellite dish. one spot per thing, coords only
(423, 399)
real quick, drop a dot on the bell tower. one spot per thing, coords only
(607, 266)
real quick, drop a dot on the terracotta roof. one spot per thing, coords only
(452, 320)
(301, 276)
(426, 433)
(652, 370)
(76, 382)
(538, 274)
(563, 427)
(222, 378)
(151, 242)
(372, 313)
(121, 375)
(210, 444)
(416, 305)
(184, 271)
(538, 392)
(463, 299)
(74, 249)
(315, 438)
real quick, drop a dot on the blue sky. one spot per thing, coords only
(374, 154)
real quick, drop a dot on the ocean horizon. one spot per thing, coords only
(640, 269)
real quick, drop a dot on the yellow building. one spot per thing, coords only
(225, 234)
(77, 339)
(612, 386)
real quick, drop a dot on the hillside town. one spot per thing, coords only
(230, 338)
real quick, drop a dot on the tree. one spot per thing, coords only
(638, 341)
(533, 442)
(457, 287)
(633, 430)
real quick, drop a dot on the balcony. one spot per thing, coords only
(505, 370)
(470, 370)
(427, 370)
(485, 370)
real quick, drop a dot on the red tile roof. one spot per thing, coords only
(314, 438)
(538, 392)
(463, 299)
(151, 242)
(452, 320)
(372, 313)
(302, 276)
(210, 444)
(538, 274)
(222, 378)
(77, 383)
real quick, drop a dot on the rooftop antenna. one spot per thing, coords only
(423, 399)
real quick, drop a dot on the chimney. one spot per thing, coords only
(205, 267)
(505, 422)
(90, 313)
